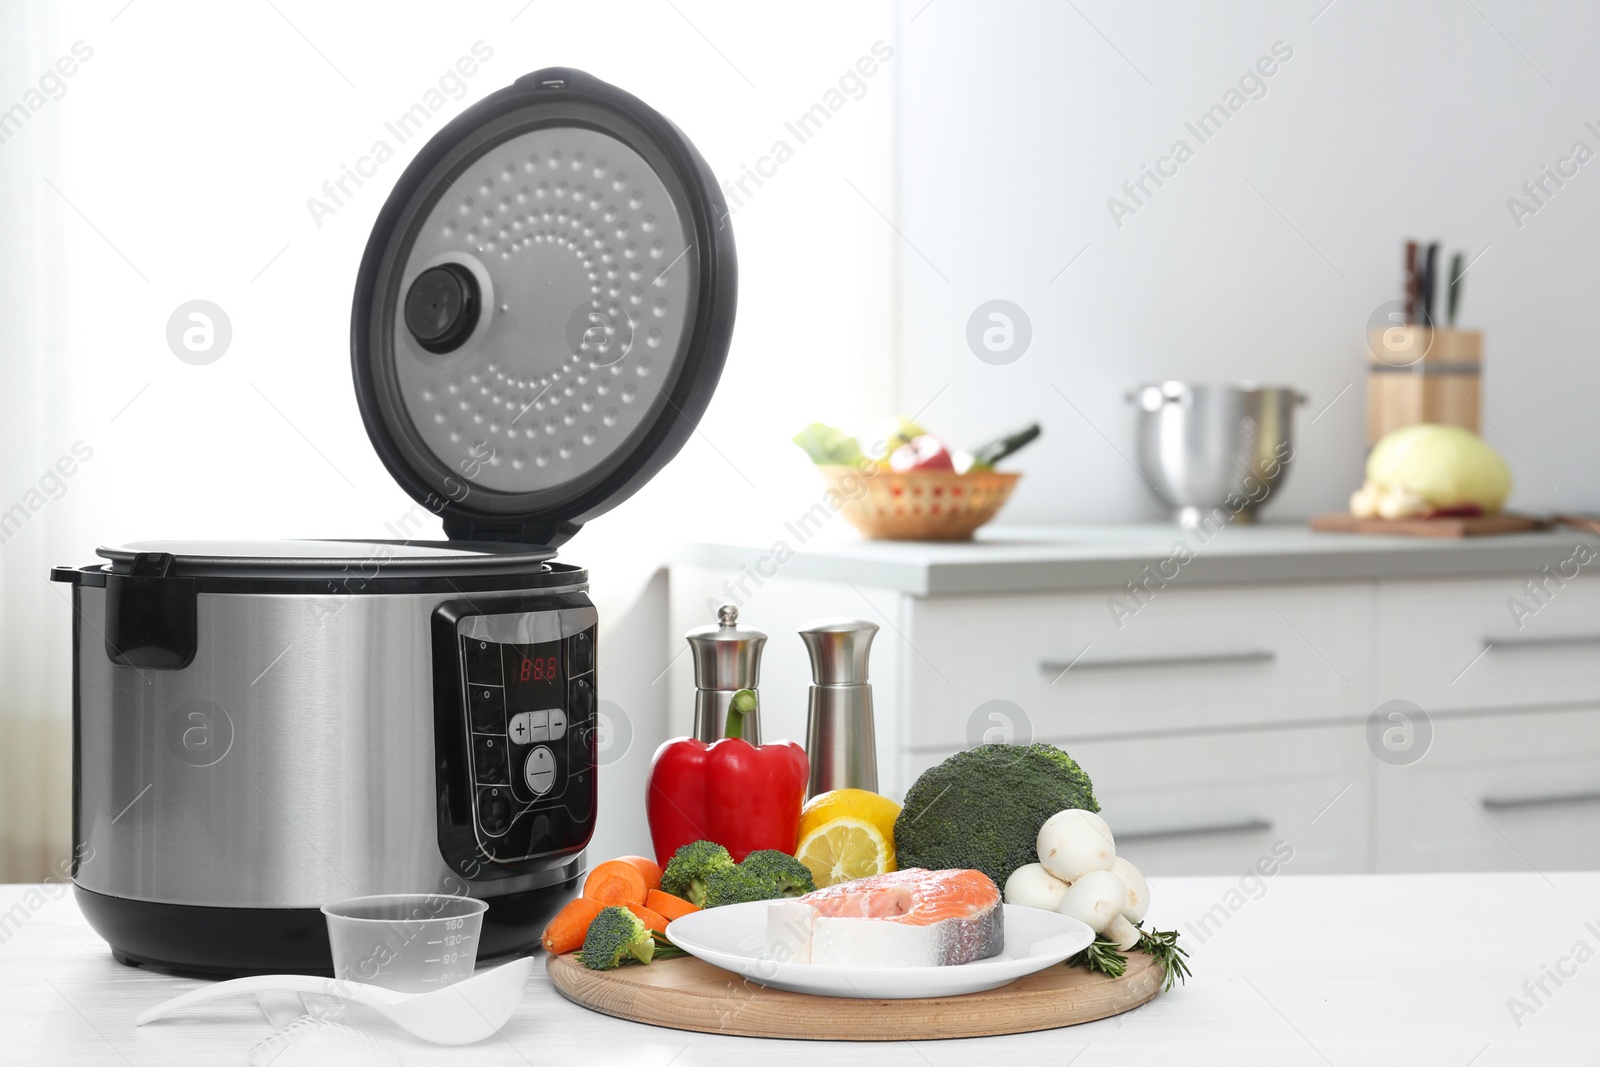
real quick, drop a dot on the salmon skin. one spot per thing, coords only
(910, 918)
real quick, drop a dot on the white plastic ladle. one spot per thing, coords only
(459, 1014)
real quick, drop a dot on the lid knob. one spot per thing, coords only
(442, 307)
(839, 649)
(727, 656)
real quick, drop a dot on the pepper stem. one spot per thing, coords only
(740, 706)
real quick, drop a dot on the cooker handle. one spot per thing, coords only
(150, 615)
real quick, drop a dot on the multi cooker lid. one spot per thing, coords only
(543, 309)
(311, 558)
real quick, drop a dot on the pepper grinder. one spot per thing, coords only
(727, 658)
(839, 737)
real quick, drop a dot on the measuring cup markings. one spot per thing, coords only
(382, 939)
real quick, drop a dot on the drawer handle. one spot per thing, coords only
(1243, 826)
(1519, 803)
(1059, 667)
(1511, 644)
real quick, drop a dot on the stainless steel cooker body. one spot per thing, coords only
(263, 729)
(291, 764)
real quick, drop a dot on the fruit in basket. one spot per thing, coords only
(828, 446)
(985, 456)
(1427, 470)
(890, 435)
(925, 453)
(922, 490)
(901, 445)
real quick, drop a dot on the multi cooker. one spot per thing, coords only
(261, 728)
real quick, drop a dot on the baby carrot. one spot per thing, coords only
(647, 867)
(616, 882)
(567, 930)
(651, 919)
(668, 905)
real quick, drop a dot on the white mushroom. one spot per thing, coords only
(1364, 501)
(1122, 932)
(1397, 503)
(1074, 842)
(1096, 899)
(1032, 886)
(1138, 902)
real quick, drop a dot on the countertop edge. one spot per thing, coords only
(923, 569)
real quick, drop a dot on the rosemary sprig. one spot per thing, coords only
(1160, 945)
(1102, 956)
(1163, 947)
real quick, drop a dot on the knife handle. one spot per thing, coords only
(1412, 288)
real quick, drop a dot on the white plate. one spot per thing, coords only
(735, 938)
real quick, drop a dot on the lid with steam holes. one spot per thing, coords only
(543, 309)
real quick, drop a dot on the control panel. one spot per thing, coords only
(527, 710)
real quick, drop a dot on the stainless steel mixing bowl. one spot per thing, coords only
(1214, 453)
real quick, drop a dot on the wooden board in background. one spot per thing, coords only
(690, 994)
(1586, 523)
(1463, 526)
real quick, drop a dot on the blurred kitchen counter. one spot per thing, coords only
(1386, 704)
(1028, 559)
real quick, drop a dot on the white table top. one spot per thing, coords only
(1401, 969)
(1024, 559)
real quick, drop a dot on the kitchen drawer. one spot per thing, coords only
(1190, 658)
(1217, 804)
(1512, 791)
(1457, 644)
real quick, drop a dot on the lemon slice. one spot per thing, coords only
(844, 849)
(880, 811)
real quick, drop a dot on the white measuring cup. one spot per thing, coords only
(408, 942)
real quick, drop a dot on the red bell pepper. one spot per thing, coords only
(742, 796)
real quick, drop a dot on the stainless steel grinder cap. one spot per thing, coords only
(727, 658)
(543, 309)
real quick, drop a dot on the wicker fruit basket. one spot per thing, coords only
(919, 505)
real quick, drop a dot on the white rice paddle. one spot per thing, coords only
(459, 1014)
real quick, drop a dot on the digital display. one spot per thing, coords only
(538, 669)
(533, 677)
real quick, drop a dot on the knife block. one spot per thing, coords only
(1423, 374)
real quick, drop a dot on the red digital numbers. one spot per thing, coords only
(543, 669)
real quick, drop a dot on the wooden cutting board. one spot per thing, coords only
(1461, 526)
(1586, 523)
(690, 994)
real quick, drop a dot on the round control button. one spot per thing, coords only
(494, 811)
(540, 770)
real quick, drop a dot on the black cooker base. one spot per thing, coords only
(206, 942)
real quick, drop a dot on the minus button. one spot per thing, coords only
(529, 726)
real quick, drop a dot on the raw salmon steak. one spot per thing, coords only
(910, 918)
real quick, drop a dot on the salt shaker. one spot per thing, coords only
(727, 658)
(839, 737)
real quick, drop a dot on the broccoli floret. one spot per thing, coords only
(982, 808)
(735, 885)
(616, 934)
(686, 872)
(787, 876)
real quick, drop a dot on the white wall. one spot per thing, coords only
(1391, 119)
(176, 163)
